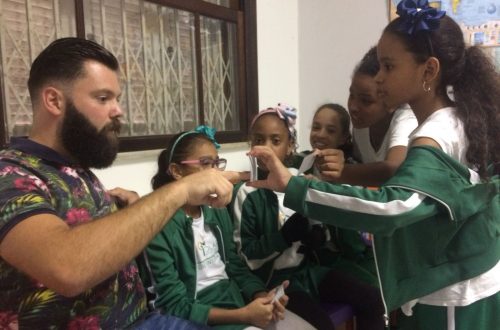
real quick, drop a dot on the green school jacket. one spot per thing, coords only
(259, 241)
(432, 227)
(171, 259)
(349, 242)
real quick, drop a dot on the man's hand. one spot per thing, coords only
(123, 197)
(330, 163)
(208, 187)
(278, 176)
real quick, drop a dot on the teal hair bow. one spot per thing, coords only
(209, 132)
(202, 129)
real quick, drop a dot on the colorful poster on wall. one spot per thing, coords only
(479, 20)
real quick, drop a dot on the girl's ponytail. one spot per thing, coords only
(477, 97)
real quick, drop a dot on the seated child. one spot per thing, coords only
(271, 237)
(330, 131)
(192, 266)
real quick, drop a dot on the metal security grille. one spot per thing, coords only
(26, 27)
(181, 62)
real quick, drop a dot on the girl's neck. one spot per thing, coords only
(194, 211)
(378, 130)
(425, 107)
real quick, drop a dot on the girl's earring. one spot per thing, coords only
(426, 86)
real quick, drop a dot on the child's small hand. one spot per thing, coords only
(260, 312)
(311, 177)
(123, 197)
(330, 162)
(279, 304)
(278, 176)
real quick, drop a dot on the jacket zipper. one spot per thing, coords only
(222, 244)
(194, 257)
(386, 312)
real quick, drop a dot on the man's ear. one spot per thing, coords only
(175, 171)
(432, 68)
(53, 100)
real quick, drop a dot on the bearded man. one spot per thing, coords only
(66, 252)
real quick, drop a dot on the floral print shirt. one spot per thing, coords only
(34, 180)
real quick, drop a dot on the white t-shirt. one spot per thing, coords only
(209, 266)
(444, 127)
(403, 122)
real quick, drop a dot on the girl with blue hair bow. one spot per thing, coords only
(436, 222)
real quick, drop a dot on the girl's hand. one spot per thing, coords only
(311, 177)
(279, 305)
(259, 312)
(278, 176)
(123, 197)
(330, 163)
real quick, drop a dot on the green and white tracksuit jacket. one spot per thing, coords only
(170, 268)
(348, 243)
(432, 227)
(259, 241)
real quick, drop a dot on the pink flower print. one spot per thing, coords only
(30, 183)
(8, 321)
(39, 183)
(24, 184)
(131, 272)
(11, 170)
(84, 323)
(70, 171)
(76, 216)
(130, 275)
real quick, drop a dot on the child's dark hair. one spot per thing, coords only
(368, 65)
(345, 122)
(475, 82)
(183, 146)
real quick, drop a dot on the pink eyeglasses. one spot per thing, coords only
(219, 163)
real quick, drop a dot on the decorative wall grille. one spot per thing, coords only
(166, 56)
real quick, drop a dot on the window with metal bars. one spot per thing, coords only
(182, 62)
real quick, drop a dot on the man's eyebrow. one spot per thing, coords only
(106, 91)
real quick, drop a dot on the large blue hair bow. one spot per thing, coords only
(417, 15)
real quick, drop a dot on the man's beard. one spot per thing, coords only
(85, 144)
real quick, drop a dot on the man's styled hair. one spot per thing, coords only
(63, 61)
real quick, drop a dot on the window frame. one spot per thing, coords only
(240, 12)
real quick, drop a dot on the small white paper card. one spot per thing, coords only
(253, 168)
(307, 163)
(280, 291)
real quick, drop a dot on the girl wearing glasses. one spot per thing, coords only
(191, 267)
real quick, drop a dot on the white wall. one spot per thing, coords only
(333, 37)
(278, 52)
(306, 52)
